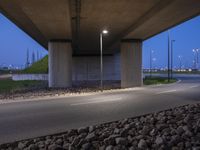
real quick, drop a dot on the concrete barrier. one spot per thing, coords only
(19, 77)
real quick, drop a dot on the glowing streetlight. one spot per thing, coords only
(180, 62)
(196, 57)
(103, 32)
(151, 52)
(172, 57)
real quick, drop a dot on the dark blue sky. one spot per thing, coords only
(14, 44)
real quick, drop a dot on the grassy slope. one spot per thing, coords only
(157, 80)
(7, 86)
(39, 67)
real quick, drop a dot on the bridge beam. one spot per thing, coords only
(60, 63)
(131, 63)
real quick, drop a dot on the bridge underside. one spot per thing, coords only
(73, 26)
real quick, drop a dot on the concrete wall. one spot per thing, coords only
(88, 68)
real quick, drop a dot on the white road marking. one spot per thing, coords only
(178, 81)
(97, 101)
(170, 91)
(195, 86)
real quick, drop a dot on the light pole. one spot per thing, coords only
(180, 63)
(172, 41)
(151, 52)
(168, 68)
(104, 32)
(153, 64)
(196, 58)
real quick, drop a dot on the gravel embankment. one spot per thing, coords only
(175, 129)
(78, 88)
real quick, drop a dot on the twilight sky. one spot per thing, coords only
(14, 44)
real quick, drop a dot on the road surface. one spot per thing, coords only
(29, 119)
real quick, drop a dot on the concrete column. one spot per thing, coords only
(131, 63)
(60, 63)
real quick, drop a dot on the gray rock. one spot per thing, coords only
(175, 148)
(111, 139)
(142, 144)
(135, 143)
(187, 118)
(86, 146)
(123, 122)
(124, 132)
(153, 132)
(48, 137)
(127, 126)
(142, 119)
(159, 140)
(21, 145)
(139, 137)
(161, 126)
(75, 141)
(33, 147)
(48, 142)
(189, 133)
(36, 140)
(132, 148)
(72, 132)
(132, 125)
(121, 141)
(90, 136)
(59, 141)
(130, 139)
(110, 147)
(83, 130)
(188, 144)
(55, 147)
(116, 131)
(102, 147)
(181, 145)
(41, 145)
(91, 128)
(180, 130)
(196, 148)
(66, 145)
(145, 130)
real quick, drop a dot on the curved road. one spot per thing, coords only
(21, 120)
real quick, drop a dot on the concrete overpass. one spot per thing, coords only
(72, 27)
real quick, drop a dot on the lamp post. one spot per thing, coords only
(172, 41)
(151, 52)
(180, 62)
(168, 68)
(196, 58)
(104, 32)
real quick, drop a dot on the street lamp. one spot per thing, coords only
(172, 41)
(103, 32)
(151, 52)
(196, 57)
(153, 64)
(168, 60)
(180, 62)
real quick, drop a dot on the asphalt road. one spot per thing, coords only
(21, 120)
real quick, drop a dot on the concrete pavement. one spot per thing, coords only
(28, 119)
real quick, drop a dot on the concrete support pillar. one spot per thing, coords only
(131, 63)
(60, 63)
